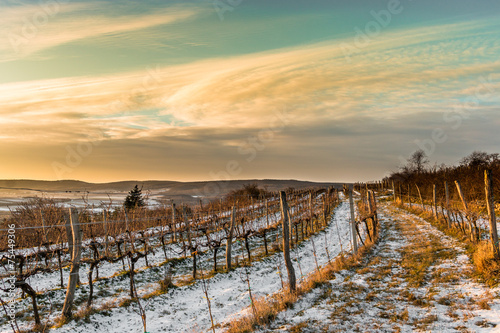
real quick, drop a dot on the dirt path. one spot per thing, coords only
(416, 279)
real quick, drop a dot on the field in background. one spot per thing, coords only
(80, 194)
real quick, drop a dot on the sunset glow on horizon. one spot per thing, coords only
(312, 90)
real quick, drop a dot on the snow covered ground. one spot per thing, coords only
(184, 309)
(416, 279)
(381, 295)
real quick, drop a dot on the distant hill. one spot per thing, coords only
(77, 185)
(205, 188)
(78, 193)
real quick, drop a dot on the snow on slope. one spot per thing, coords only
(185, 309)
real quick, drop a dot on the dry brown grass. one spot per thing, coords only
(400, 317)
(297, 328)
(84, 313)
(166, 283)
(425, 322)
(486, 267)
(484, 301)
(486, 264)
(418, 256)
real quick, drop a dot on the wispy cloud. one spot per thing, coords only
(396, 87)
(386, 80)
(27, 30)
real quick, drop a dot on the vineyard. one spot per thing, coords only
(225, 266)
(91, 263)
(460, 199)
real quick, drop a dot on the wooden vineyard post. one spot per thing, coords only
(462, 197)
(252, 216)
(187, 225)
(69, 234)
(393, 192)
(286, 242)
(190, 246)
(325, 195)
(370, 211)
(409, 196)
(434, 203)
(490, 203)
(75, 263)
(353, 222)
(106, 238)
(267, 213)
(373, 211)
(420, 196)
(174, 227)
(460, 193)
(290, 226)
(311, 209)
(230, 239)
(447, 204)
(221, 213)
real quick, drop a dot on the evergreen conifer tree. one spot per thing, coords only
(134, 199)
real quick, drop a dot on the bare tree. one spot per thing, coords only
(417, 162)
(478, 159)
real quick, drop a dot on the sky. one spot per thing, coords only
(243, 89)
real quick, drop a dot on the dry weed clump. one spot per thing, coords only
(486, 264)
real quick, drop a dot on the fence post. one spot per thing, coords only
(174, 227)
(370, 211)
(324, 208)
(420, 196)
(490, 203)
(375, 212)
(393, 192)
(75, 263)
(353, 222)
(290, 225)
(374, 209)
(447, 204)
(106, 238)
(230, 240)
(409, 196)
(460, 193)
(69, 234)
(434, 201)
(267, 213)
(462, 197)
(311, 209)
(286, 243)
